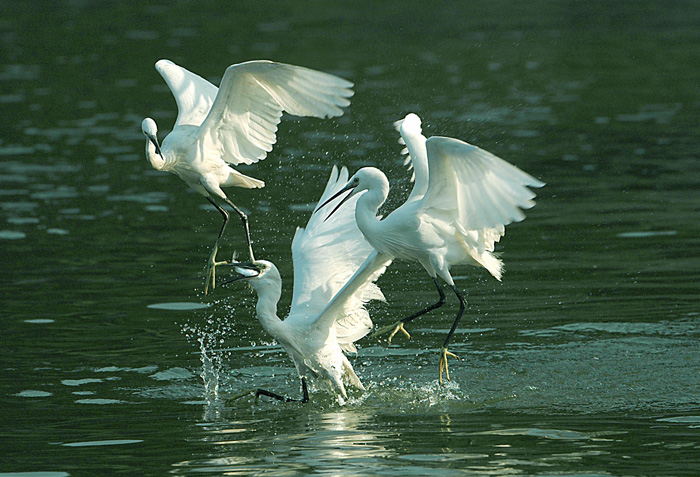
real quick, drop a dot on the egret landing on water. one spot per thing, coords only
(334, 273)
(462, 199)
(217, 128)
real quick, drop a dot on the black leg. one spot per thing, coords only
(279, 397)
(444, 353)
(224, 214)
(211, 264)
(398, 326)
(439, 303)
(305, 390)
(462, 306)
(244, 219)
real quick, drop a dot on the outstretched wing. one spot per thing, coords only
(194, 95)
(242, 124)
(416, 156)
(326, 254)
(473, 187)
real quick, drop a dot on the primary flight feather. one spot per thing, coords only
(334, 274)
(463, 198)
(217, 128)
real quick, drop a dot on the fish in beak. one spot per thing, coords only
(244, 270)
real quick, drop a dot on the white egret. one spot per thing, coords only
(217, 128)
(334, 273)
(462, 200)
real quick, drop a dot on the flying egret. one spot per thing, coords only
(217, 128)
(334, 274)
(462, 200)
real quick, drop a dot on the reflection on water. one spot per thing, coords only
(567, 397)
(584, 361)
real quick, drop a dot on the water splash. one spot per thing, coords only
(404, 395)
(209, 336)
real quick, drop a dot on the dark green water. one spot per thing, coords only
(584, 361)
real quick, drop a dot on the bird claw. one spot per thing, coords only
(393, 328)
(443, 363)
(211, 273)
(400, 328)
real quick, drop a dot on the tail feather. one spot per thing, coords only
(236, 179)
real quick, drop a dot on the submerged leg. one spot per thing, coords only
(398, 326)
(244, 219)
(279, 397)
(212, 263)
(444, 353)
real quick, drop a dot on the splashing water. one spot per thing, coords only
(208, 337)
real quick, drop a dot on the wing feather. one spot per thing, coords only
(242, 122)
(193, 94)
(325, 255)
(480, 190)
(416, 156)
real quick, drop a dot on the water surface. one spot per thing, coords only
(584, 361)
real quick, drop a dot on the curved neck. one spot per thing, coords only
(266, 307)
(368, 205)
(156, 161)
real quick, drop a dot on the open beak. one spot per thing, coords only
(347, 188)
(244, 270)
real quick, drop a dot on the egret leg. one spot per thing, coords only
(279, 397)
(244, 219)
(212, 263)
(399, 325)
(444, 353)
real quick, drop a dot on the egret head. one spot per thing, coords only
(367, 178)
(150, 130)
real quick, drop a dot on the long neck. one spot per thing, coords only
(157, 162)
(266, 308)
(368, 205)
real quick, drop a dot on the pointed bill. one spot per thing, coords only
(335, 196)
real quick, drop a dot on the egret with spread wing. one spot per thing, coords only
(461, 202)
(334, 274)
(217, 128)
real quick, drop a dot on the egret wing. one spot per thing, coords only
(242, 124)
(194, 95)
(325, 255)
(416, 156)
(474, 189)
(347, 310)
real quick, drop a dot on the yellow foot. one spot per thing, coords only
(393, 328)
(211, 274)
(443, 363)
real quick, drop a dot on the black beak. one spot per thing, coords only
(154, 140)
(244, 270)
(350, 188)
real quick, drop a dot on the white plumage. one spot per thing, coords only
(463, 198)
(217, 128)
(334, 273)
